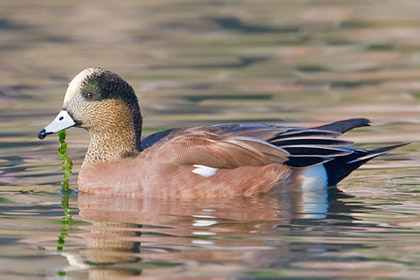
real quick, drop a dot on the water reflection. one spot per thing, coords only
(128, 235)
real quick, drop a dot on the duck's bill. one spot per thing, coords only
(62, 121)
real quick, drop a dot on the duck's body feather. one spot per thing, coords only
(205, 161)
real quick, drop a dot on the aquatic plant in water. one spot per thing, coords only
(67, 164)
(67, 220)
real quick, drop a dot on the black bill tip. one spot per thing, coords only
(43, 133)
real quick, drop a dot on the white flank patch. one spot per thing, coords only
(314, 177)
(203, 170)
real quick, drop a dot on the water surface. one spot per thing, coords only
(197, 62)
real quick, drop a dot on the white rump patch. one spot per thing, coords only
(203, 170)
(314, 177)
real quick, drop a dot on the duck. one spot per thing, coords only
(211, 161)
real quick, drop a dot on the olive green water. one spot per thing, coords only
(196, 62)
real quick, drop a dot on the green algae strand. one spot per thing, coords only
(67, 164)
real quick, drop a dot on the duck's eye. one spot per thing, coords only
(89, 95)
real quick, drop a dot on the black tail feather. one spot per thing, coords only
(317, 151)
(345, 125)
(312, 132)
(382, 150)
(311, 141)
(340, 167)
(304, 161)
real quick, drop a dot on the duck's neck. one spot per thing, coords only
(114, 142)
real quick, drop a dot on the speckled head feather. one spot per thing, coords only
(96, 84)
(106, 105)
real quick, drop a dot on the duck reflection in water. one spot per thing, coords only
(174, 233)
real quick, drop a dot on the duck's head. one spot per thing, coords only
(101, 102)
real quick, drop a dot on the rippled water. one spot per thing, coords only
(196, 62)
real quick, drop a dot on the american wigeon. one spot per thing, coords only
(206, 161)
